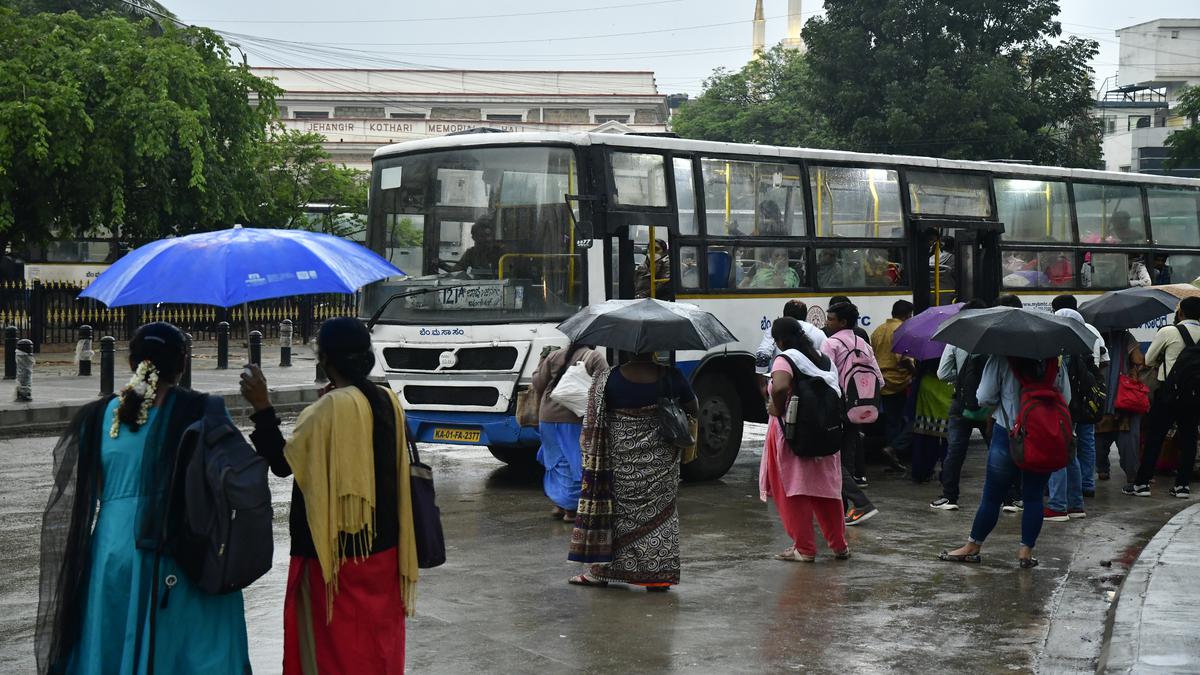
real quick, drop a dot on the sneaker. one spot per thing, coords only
(1012, 505)
(857, 516)
(860, 481)
(1054, 516)
(1076, 513)
(1181, 492)
(944, 504)
(1136, 490)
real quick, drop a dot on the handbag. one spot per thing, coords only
(676, 429)
(1133, 397)
(427, 518)
(692, 451)
(528, 407)
(572, 389)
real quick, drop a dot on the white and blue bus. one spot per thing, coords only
(503, 236)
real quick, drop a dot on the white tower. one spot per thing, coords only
(760, 30)
(795, 25)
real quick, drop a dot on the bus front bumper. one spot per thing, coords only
(496, 429)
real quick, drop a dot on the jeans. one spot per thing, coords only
(1001, 473)
(958, 433)
(1127, 449)
(1066, 488)
(851, 493)
(897, 427)
(1158, 423)
(1085, 446)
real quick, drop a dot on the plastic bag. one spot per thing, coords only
(572, 389)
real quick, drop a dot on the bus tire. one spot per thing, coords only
(720, 428)
(515, 455)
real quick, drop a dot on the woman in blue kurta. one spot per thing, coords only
(100, 609)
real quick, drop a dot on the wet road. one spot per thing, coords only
(501, 603)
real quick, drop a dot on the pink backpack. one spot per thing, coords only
(860, 385)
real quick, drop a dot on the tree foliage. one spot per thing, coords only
(1184, 144)
(107, 126)
(295, 174)
(969, 79)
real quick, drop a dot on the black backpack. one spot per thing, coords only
(1180, 392)
(966, 383)
(820, 418)
(223, 541)
(1089, 391)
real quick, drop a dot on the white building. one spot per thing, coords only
(1158, 59)
(360, 110)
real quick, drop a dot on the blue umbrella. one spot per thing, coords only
(233, 267)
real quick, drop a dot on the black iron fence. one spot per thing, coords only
(51, 313)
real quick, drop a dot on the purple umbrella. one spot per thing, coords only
(913, 337)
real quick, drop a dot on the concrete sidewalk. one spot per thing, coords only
(1154, 625)
(58, 393)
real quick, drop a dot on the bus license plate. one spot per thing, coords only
(456, 435)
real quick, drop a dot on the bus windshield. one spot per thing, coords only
(483, 235)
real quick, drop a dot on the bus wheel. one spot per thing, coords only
(720, 428)
(515, 455)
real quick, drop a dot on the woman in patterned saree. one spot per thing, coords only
(627, 526)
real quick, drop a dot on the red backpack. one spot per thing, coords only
(1042, 438)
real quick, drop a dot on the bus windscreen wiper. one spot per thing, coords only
(407, 294)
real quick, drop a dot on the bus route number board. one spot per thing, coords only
(456, 435)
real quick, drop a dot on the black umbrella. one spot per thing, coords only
(642, 326)
(1128, 308)
(1008, 331)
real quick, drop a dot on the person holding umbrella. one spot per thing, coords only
(626, 525)
(953, 370)
(1024, 347)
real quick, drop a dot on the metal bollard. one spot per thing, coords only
(25, 362)
(285, 344)
(256, 348)
(223, 345)
(108, 357)
(10, 353)
(83, 351)
(186, 380)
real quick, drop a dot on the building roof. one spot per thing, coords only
(350, 81)
(1162, 23)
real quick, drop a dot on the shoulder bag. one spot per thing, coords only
(676, 428)
(427, 518)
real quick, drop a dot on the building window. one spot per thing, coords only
(358, 111)
(505, 117)
(311, 114)
(601, 119)
(407, 115)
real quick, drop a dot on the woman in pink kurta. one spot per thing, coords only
(802, 487)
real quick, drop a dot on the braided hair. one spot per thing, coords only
(156, 357)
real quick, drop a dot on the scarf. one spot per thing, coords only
(332, 459)
(592, 538)
(810, 369)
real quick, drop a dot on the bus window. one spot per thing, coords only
(1174, 217)
(775, 267)
(685, 196)
(689, 269)
(1110, 214)
(1175, 269)
(860, 268)
(1033, 210)
(949, 194)
(752, 199)
(1038, 269)
(1113, 270)
(853, 202)
(640, 179)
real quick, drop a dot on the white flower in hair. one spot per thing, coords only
(143, 384)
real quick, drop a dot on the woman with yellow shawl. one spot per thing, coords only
(353, 571)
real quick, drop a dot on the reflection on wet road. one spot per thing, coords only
(501, 603)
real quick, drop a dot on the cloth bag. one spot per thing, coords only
(1133, 397)
(572, 389)
(528, 407)
(427, 518)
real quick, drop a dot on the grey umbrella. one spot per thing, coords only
(1128, 308)
(1008, 331)
(642, 326)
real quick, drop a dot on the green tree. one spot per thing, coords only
(973, 80)
(1184, 144)
(296, 174)
(105, 126)
(758, 104)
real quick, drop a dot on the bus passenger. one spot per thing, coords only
(1061, 272)
(483, 258)
(1138, 276)
(662, 272)
(770, 220)
(775, 272)
(830, 273)
(1122, 231)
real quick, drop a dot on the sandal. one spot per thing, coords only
(1027, 563)
(557, 512)
(841, 555)
(792, 555)
(585, 580)
(965, 558)
(568, 516)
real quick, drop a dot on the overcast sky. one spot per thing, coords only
(682, 41)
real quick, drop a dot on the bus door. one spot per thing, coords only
(641, 224)
(957, 261)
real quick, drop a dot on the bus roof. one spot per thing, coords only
(770, 151)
